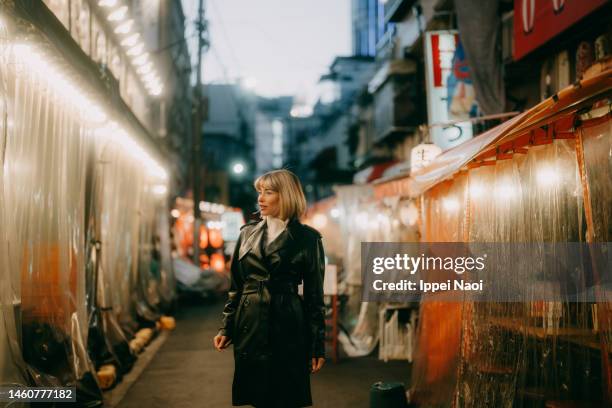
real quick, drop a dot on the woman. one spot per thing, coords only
(278, 335)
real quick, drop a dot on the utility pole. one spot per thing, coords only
(198, 137)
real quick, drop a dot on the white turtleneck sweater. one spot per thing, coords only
(275, 227)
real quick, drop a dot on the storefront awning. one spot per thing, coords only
(567, 102)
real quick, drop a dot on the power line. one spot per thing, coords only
(220, 61)
(225, 34)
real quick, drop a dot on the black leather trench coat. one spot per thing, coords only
(275, 332)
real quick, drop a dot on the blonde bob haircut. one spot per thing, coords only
(287, 185)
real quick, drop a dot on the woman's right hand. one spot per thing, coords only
(220, 342)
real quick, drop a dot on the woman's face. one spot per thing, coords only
(269, 202)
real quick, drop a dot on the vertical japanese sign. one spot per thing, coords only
(450, 93)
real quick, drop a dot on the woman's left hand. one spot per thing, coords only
(317, 364)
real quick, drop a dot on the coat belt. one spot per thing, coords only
(273, 287)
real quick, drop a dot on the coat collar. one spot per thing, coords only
(253, 242)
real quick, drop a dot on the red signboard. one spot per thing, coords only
(537, 21)
(439, 52)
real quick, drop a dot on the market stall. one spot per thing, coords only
(82, 216)
(541, 177)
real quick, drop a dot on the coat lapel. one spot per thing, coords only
(253, 242)
(275, 252)
(285, 239)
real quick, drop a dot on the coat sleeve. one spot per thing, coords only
(313, 298)
(233, 295)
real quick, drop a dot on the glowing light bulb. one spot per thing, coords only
(124, 27)
(145, 69)
(160, 189)
(118, 15)
(141, 59)
(107, 3)
(476, 190)
(450, 204)
(136, 50)
(547, 176)
(131, 40)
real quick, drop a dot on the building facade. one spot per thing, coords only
(228, 139)
(141, 50)
(368, 26)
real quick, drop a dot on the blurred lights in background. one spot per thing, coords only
(215, 238)
(118, 14)
(335, 212)
(547, 176)
(450, 204)
(205, 206)
(203, 237)
(107, 3)
(238, 168)
(362, 219)
(217, 262)
(131, 41)
(214, 224)
(319, 221)
(160, 189)
(476, 189)
(301, 111)
(409, 214)
(124, 28)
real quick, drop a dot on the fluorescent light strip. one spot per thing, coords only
(134, 47)
(54, 77)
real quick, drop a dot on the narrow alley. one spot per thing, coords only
(204, 376)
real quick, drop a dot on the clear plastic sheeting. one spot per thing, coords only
(436, 357)
(364, 219)
(132, 284)
(597, 151)
(520, 354)
(82, 226)
(43, 221)
(10, 303)
(595, 145)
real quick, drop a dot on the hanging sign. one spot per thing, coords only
(537, 22)
(450, 93)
